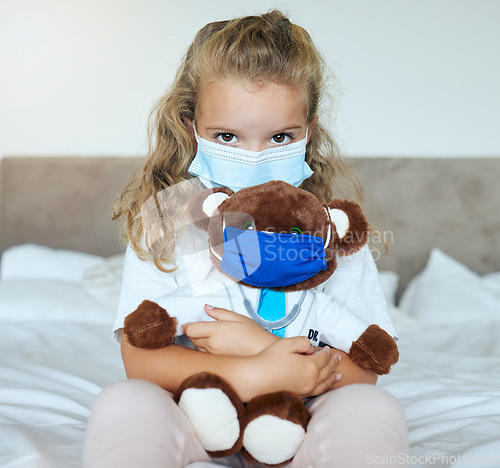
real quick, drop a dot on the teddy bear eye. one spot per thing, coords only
(295, 230)
(249, 227)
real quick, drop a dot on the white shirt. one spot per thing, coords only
(336, 312)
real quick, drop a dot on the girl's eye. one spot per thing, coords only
(295, 230)
(281, 138)
(249, 227)
(226, 137)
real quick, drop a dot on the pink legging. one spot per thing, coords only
(136, 424)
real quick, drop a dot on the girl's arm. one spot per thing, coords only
(351, 372)
(238, 335)
(289, 364)
(231, 334)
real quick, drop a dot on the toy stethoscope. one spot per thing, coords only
(271, 325)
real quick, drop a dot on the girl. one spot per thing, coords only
(252, 84)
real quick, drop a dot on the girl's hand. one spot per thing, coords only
(231, 334)
(292, 364)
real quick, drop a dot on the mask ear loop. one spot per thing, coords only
(329, 235)
(216, 255)
(195, 132)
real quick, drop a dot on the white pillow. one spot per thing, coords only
(446, 291)
(492, 281)
(37, 261)
(50, 301)
(403, 322)
(103, 281)
(390, 282)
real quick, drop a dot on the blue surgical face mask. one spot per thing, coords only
(266, 259)
(223, 165)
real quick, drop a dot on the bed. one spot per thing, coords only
(60, 277)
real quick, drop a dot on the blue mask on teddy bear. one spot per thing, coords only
(269, 259)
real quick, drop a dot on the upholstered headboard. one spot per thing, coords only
(419, 203)
(452, 204)
(62, 202)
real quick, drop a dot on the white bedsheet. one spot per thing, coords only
(448, 380)
(50, 374)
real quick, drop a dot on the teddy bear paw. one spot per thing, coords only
(150, 326)
(375, 350)
(214, 410)
(274, 426)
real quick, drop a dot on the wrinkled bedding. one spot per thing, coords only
(448, 381)
(49, 375)
(54, 362)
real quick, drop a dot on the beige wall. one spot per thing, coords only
(414, 78)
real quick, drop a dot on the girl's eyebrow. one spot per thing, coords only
(228, 129)
(221, 128)
(292, 127)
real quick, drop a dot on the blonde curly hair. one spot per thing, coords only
(265, 48)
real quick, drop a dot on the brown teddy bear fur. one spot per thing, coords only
(375, 350)
(357, 236)
(208, 380)
(195, 207)
(284, 405)
(291, 208)
(150, 326)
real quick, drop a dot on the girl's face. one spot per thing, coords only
(250, 116)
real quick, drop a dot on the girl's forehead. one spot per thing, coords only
(276, 101)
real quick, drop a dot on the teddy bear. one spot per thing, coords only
(271, 237)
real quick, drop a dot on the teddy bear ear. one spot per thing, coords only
(204, 205)
(350, 224)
